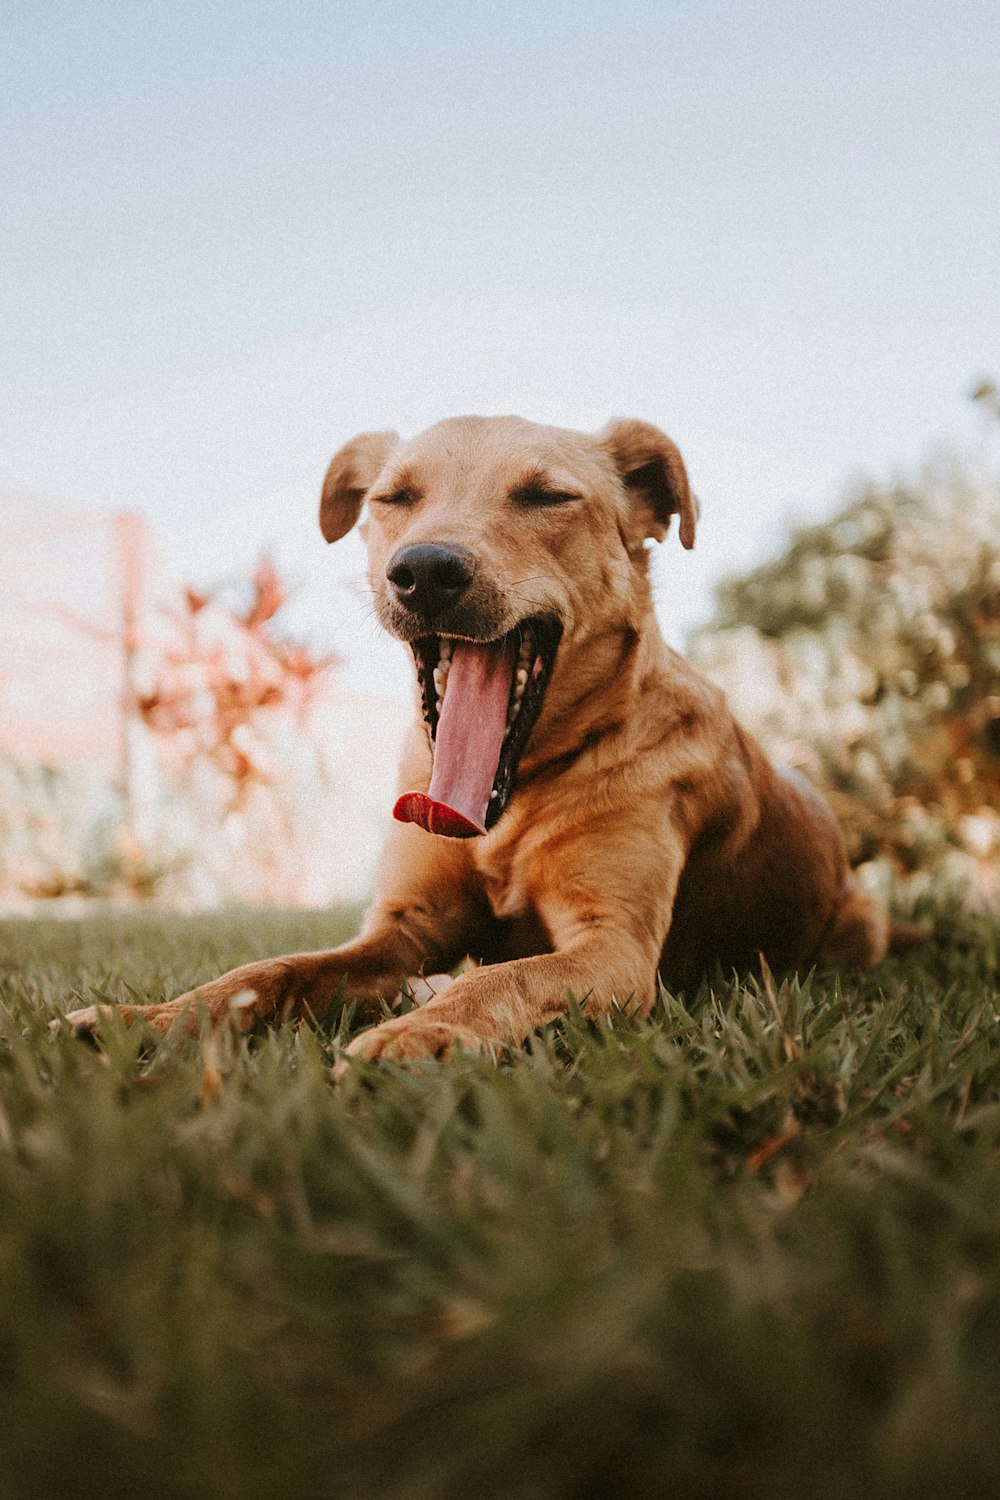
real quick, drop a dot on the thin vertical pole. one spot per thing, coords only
(130, 538)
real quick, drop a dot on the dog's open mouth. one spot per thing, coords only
(481, 700)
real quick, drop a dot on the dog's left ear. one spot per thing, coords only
(352, 472)
(654, 476)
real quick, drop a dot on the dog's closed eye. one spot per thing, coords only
(535, 496)
(403, 497)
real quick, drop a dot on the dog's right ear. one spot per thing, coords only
(653, 473)
(352, 472)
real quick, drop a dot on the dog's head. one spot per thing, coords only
(498, 548)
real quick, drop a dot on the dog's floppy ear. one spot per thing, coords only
(352, 471)
(654, 476)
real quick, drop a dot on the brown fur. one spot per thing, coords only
(647, 833)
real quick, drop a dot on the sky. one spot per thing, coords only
(234, 235)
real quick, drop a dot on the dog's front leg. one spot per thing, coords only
(286, 988)
(427, 916)
(606, 951)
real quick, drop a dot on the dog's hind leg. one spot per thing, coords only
(857, 936)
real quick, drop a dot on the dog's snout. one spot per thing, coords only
(427, 578)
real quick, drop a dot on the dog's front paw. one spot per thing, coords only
(217, 1000)
(84, 1023)
(408, 1038)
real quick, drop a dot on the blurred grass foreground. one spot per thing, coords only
(748, 1249)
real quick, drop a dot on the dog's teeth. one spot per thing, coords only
(440, 680)
(444, 652)
(439, 704)
(521, 677)
(494, 795)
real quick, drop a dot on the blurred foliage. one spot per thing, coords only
(752, 1239)
(60, 831)
(215, 684)
(868, 655)
(225, 768)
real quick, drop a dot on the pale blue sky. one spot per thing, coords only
(233, 235)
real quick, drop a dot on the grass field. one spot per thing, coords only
(750, 1247)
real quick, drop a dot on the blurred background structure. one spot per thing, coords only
(235, 236)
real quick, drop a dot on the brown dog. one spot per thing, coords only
(578, 810)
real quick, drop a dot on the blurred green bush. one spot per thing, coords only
(868, 655)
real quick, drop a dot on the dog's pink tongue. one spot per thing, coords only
(467, 744)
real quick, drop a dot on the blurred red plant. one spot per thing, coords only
(226, 666)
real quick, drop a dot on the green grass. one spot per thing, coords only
(750, 1247)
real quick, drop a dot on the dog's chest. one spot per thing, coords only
(504, 878)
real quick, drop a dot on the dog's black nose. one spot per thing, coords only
(428, 577)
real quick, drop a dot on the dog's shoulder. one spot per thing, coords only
(675, 700)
